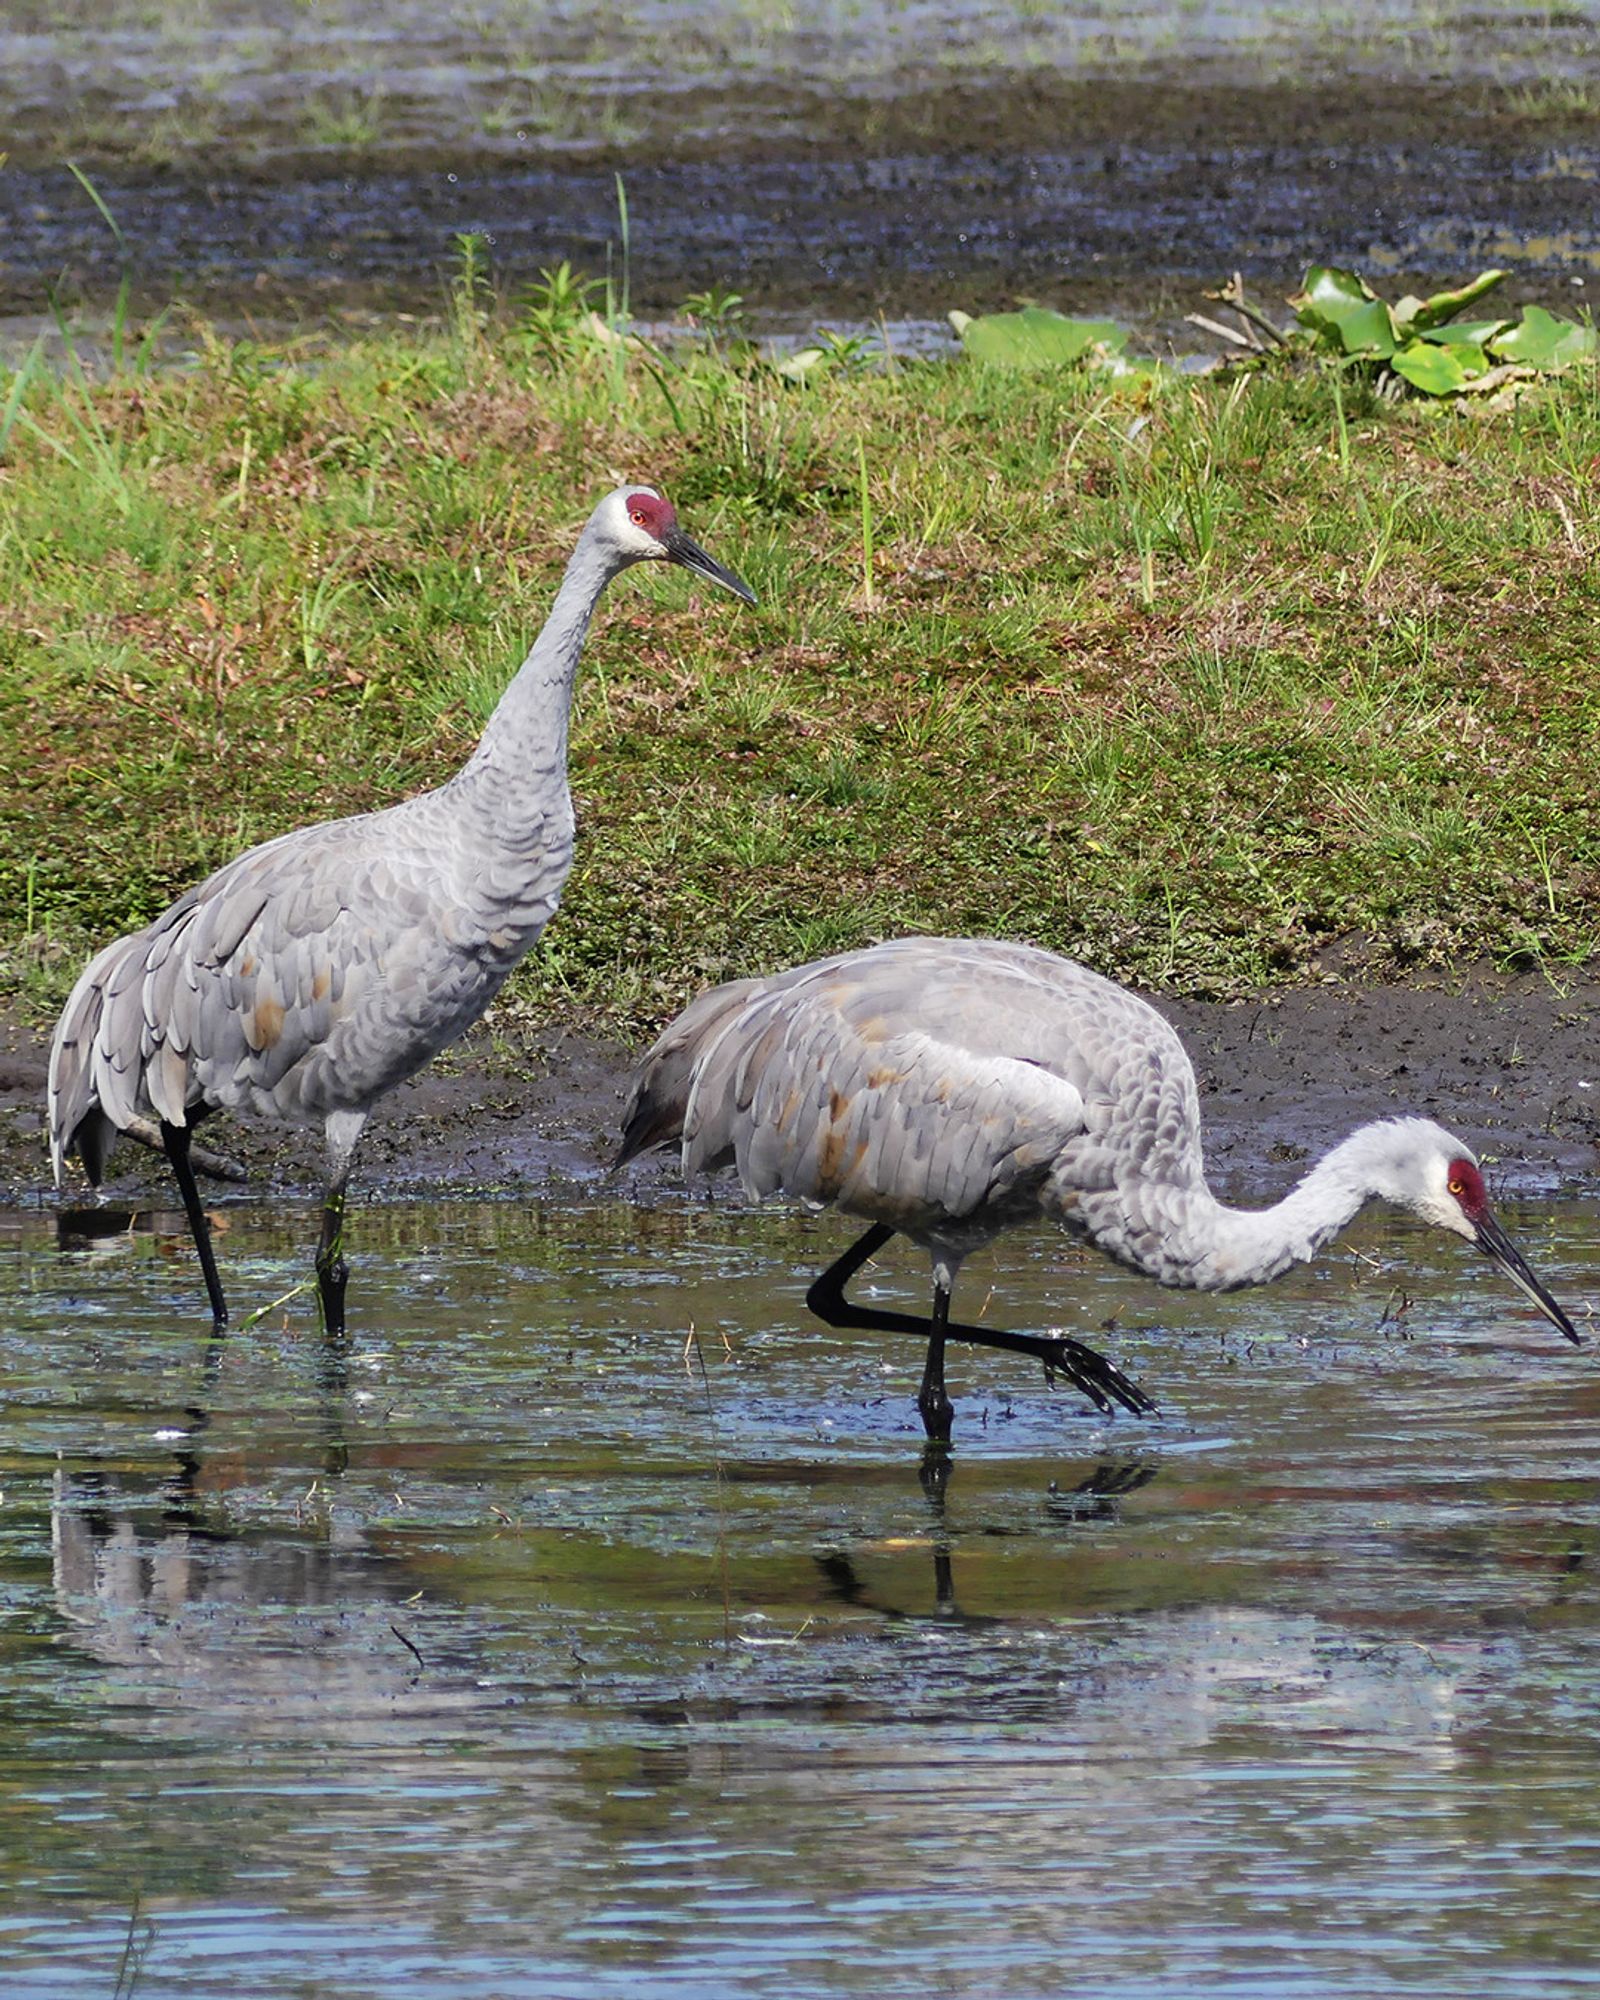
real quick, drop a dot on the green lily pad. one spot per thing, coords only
(1465, 333)
(1434, 311)
(1368, 330)
(1438, 370)
(1344, 311)
(1543, 341)
(1424, 342)
(1329, 290)
(1035, 338)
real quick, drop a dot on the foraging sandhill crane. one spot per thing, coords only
(320, 969)
(949, 1088)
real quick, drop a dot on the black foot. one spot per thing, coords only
(937, 1413)
(1092, 1375)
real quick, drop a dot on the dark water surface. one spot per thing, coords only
(511, 1655)
(275, 158)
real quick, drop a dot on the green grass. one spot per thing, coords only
(349, 121)
(1188, 688)
(1555, 98)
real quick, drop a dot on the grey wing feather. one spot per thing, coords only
(865, 1081)
(231, 996)
(924, 1079)
(654, 1113)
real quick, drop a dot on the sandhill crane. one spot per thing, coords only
(949, 1088)
(320, 969)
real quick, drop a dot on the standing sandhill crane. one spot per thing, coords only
(949, 1088)
(320, 969)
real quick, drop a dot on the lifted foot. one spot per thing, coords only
(1091, 1374)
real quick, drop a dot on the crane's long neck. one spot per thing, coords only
(520, 765)
(505, 819)
(1185, 1236)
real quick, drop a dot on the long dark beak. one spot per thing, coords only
(1499, 1248)
(692, 556)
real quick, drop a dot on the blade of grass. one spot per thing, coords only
(19, 388)
(866, 523)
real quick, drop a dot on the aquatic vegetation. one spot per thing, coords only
(1556, 98)
(349, 121)
(555, 314)
(716, 313)
(1035, 338)
(1421, 344)
(828, 353)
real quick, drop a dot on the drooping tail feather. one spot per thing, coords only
(97, 1058)
(94, 1141)
(660, 1097)
(75, 1119)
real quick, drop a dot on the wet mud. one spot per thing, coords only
(898, 161)
(1511, 1062)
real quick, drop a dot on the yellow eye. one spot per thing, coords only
(1455, 1187)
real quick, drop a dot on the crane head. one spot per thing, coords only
(1442, 1182)
(644, 527)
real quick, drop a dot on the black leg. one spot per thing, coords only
(826, 1297)
(333, 1274)
(1090, 1373)
(175, 1138)
(933, 1401)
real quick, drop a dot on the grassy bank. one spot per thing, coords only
(1191, 688)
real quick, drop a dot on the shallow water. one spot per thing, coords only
(270, 162)
(512, 1654)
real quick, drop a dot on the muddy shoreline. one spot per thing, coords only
(816, 196)
(1511, 1062)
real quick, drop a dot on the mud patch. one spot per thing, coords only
(1512, 1063)
(899, 160)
